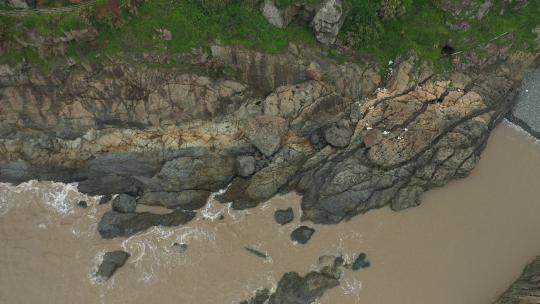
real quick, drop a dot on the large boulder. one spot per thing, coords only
(112, 260)
(266, 133)
(273, 14)
(328, 21)
(114, 224)
(186, 199)
(124, 203)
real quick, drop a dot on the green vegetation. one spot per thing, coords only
(425, 28)
(384, 28)
(192, 26)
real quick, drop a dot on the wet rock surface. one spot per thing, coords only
(112, 260)
(114, 224)
(171, 138)
(526, 290)
(302, 234)
(296, 289)
(360, 262)
(284, 216)
(124, 203)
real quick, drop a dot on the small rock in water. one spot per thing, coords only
(180, 247)
(105, 199)
(111, 262)
(124, 203)
(82, 204)
(284, 216)
(302, 234)
(361, 262)
(257, 252)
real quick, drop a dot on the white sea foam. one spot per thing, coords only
(352, 287)
(522, 131)
(57, 197)
(154, 251)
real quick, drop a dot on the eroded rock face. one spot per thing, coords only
(526, 290)
(171, 139)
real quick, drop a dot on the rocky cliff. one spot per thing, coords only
(334, 132)
(526, 290)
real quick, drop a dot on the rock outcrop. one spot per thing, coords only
(526, 290)
(325, 18)
(291, 122)
(296, 289)
(114, 224)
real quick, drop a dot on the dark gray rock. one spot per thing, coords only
(284, 216)
(261, 296)
(245, 165)
(111, 262)
(115, 173)
(302, 234)
(294, 289)
(114, 224)
(16, 172)
(124, 203)
(82, 204)
(105, 199)
(187, 199)
(360, 262)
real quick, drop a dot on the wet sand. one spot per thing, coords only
(465, 244)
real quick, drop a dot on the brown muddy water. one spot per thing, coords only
(465, 244)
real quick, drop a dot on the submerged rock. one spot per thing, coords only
(256, 252)
(111, 262)
(181, 247)
(360, 262)
(284, 216)
(114, 224)
(124, 203)
(302, 234)
(261, 296)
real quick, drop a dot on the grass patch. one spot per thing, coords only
(193, 27)
(425, 29)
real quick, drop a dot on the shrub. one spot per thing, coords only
(392, 9)
(362, 22)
